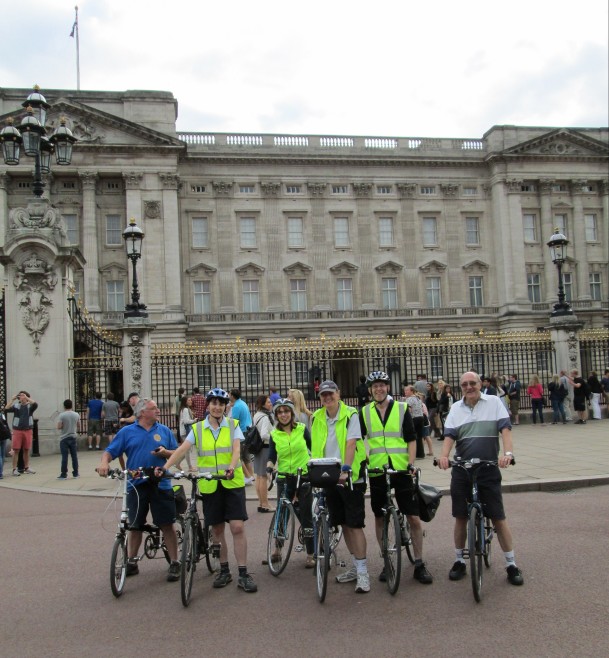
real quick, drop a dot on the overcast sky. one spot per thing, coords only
(332, 67)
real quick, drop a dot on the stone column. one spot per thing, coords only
(271, 225)
(171, 247)
(133, 180)
(579, 241)
(550, 272)
(228, 244)
(563, 333)
(4, 181)
(90, 240)
(137, 374)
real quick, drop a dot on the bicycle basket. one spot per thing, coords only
(323, 472)
(180, 496)
(429, 498)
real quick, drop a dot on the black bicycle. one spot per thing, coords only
(197, 539)
(153, 538)
(396, 530)
(480, 529)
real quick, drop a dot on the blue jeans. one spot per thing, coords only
(2, 449)
(557, 408)
(537, 405)
(68, 445)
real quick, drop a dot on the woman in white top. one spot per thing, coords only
(187, 420)
(303, 415)
(264, 421)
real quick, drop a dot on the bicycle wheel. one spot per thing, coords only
(118, 566)
(407, 538)
(212, 555)
(322, 557)
(474, 542)
(488, 534)
(189, 560)
(281, 537)
(392, 549)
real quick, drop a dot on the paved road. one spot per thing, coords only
(56, 599)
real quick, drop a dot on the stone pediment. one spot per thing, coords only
(432, 266)
(344, 268)
(113, 270)
(96, 127)
(560, 142)
(297, 268)
(250, 269)
(201, 269)
(390, 267)
(476, 266)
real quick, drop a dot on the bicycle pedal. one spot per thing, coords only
(299, 548)
(342, 564)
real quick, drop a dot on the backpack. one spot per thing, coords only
(562, 392)
(253, 441)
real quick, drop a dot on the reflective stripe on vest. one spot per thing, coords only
(214, 456)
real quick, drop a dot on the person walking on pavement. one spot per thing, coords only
(67, 424)
(473, 424)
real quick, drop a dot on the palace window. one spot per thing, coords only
(591, 228)
(534, 287)
(202, 297)
(434, 292)
(251, 296)
(114, 230)
(298, 294)
(115, 295)
(595, 286)
(341, 232)
(386, 232)
(295, 232)
(430, 231)
(389, 290)
(530, 227)
(247, 232)
(72, 226)
(472, 231)
(344, 288)
(200, 232)
(476, 292)
(560, 222)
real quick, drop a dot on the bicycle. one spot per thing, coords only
(197, 539)
(281, 528)
(153, 541)
(480, 529)
(396, 530)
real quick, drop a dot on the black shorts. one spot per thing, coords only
(489, 492)
(346, 506)
(224, 505)
(404, 493)
(147, 496)
(579, 404)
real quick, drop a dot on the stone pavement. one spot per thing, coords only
(547, 457)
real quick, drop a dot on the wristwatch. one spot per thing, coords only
(508, 454)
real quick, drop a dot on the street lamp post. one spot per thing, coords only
(558, 248)
(32, 135)
(133, 236)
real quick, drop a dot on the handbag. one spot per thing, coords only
(429, 498)
(544, 401)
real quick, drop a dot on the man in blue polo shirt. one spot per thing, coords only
(147, 443)
(474, 423)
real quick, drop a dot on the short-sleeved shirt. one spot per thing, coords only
(354, 431)
(240, 412)
(111, 409)
(238, 434)
(95, 408)
(199, 406)
(138, 443)
(22, 415)
(69, 422)
(476, 430)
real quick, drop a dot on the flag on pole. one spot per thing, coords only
(75, 26)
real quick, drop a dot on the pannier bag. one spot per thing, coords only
(429, 501)
(324, 472)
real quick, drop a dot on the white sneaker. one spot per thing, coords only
(363, 583)
(347, 576)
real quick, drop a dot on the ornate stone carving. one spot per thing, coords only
(152, 209)
(560, 148)
(34, 278)
(4, 181)
(133, 179)
(603, 186)
(573, 349)
(81, 128)
(362, 189)
(38, 214)
(546, 184)
(579, 186)
(449, 189)
(222, 188)
(316, 189)
(136, 358)
(270, 188)
(407, 190)
(433, 266)
(170, 181)
(88, 179)
(513, 185)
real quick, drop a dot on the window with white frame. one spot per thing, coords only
(428, 189)
(293, 189)
(534, 287)
(476, 291)
(253, 375)
(385, 231)
(198, 189)
(340, 189)
(591, 228)
(341, 232)
(530, 227)
(567, 284)
(76, 293)
(200, 232)
(251, 296)
(204, 378)
(472, 231)
(301, 373)
(436, 367)
(344, 288)
(430, 231)
(595, 286)
(470, 191)
(434, 292)
(298, 294)
(295, 232)
(384, 189)
(247, 232)
(202, 292)
(72, 226)
(389, 292)
(528, 187)
(246, 189)
(560, 222)
(115, 295)
(114, 230)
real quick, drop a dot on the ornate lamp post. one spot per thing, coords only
(32, 135)
(558, 248)
(133, 236)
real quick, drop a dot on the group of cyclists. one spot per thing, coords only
(337, 431)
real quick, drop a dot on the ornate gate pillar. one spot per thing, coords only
(137, 374)
(39, 271)
(563, 333)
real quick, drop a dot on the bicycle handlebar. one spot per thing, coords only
(473, 462)
(180, 475)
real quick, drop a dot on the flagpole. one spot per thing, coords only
(77, 51)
